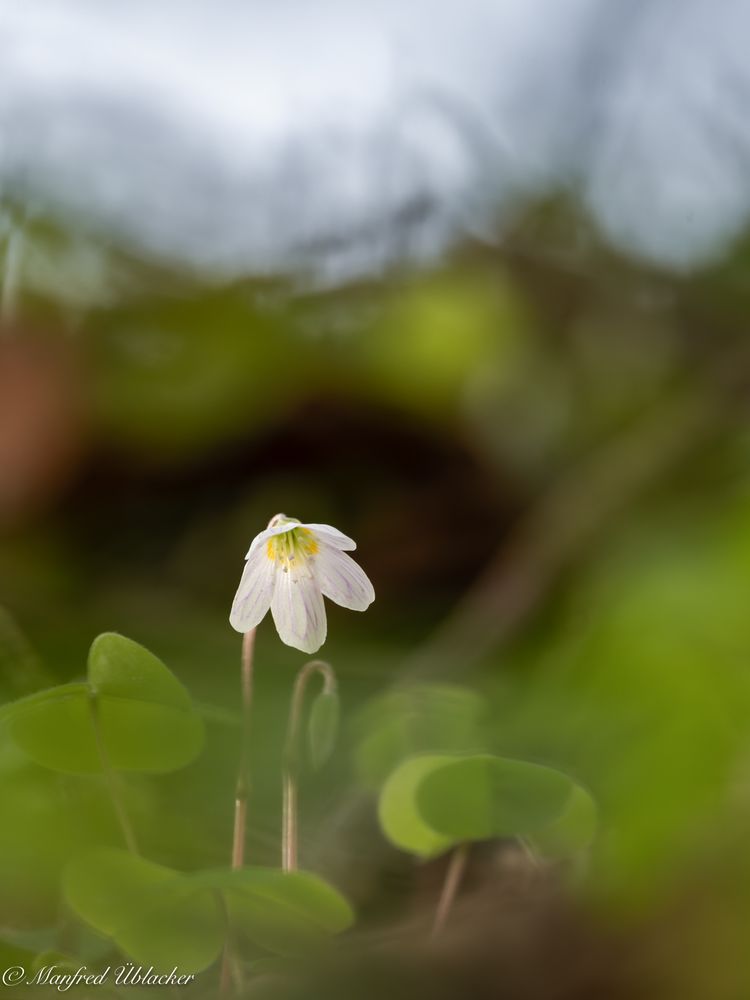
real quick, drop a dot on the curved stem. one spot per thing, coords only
(113, 783)
(451, 884)
(289, 825)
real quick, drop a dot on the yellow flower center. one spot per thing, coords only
(292, 547)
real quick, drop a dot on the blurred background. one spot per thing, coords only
(473, 286)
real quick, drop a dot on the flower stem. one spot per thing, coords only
(231, 973)
(289, 825)
(112, 782)
(451, 883)
(242, 790)
(289, 822)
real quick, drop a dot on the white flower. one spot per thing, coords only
(290, 567)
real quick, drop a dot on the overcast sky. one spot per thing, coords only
(341, 137)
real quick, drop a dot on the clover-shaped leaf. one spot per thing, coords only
(166, 918)
(132, 712)
(433, 802)
(400, 818)
(154, 914)
(478, 797)
(287, 913)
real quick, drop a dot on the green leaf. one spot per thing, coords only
(323, 727)
(572, 831)
(109, 887)
(138, 736)
(154, 914)
(182, 927)
(431, 802)
(12, 955)
(55, 728)
(287, 913)
(47, 817)
(400, 819)
(121, 668)
(137, 696)
(132, 708)
(164, 918)
(479, 797)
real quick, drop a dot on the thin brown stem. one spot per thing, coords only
(242, 789)
(112, 782)
(289, 825)
(289, 821)
(453, 876)
(231, 974)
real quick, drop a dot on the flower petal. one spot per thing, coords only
(332, 536)
(267, 533)
(342, 580)
(298, 611)
(253, 597)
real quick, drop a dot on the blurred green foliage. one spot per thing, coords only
(412, 720)
(644, 693)
(428, 416)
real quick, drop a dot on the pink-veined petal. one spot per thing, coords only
(253, 597)
(332, 536)
(298, 611)
(342, 580)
